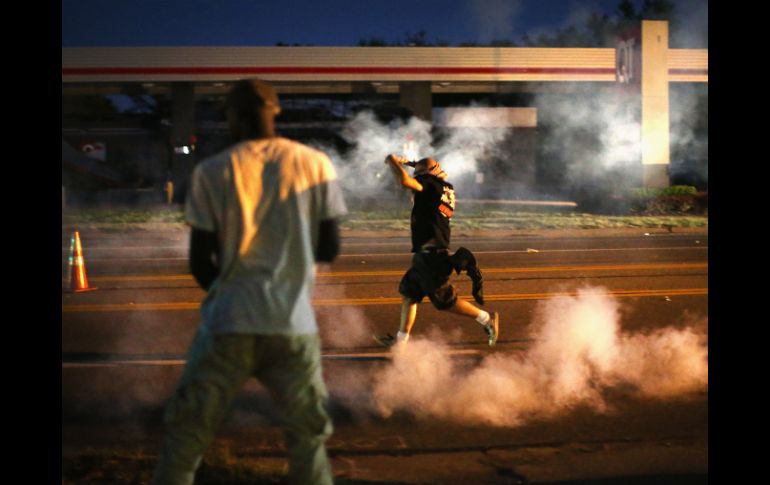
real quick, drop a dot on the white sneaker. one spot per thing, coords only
(493, 329)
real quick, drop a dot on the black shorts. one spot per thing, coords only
(429, 276)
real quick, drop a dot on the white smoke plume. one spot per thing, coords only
(585, 139)
(340, 326)
(343, 326)
(594, 134)
(580, 352)
(469, 140)
(362, 171)
(689, 130)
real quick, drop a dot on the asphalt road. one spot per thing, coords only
(123, 348)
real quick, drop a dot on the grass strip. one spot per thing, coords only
(472, 218)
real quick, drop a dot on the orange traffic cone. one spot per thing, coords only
(77, 267)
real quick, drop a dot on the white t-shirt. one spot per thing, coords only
(265, 200)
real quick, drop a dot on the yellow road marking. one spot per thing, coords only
(344, 274)
(180, 306)
(118, 363)
(539, 269)
(173, 277)
(325, 355)
(123, 307)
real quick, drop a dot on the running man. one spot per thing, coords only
(432, 265)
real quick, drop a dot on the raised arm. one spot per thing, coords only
(396, 164)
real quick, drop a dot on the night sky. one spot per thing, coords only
(91, 23)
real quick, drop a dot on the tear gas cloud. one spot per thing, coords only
(340, 326)
(579, 353)
(689, 128)
(372, 142)
(595, 134)
(586, 138)
(362, 171)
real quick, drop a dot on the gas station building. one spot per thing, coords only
(642, 65)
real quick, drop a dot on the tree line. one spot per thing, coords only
(599, 30)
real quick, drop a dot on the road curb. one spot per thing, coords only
(127, 228)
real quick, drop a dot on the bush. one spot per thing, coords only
(667, 204)
(677, 199)
(646, 192)
(702, 202)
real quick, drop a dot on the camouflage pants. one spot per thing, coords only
(217, 367)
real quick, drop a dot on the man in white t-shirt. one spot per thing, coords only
(262, 213)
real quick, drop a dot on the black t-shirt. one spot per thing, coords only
(433, 208)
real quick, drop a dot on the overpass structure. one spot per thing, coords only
(643, 64)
